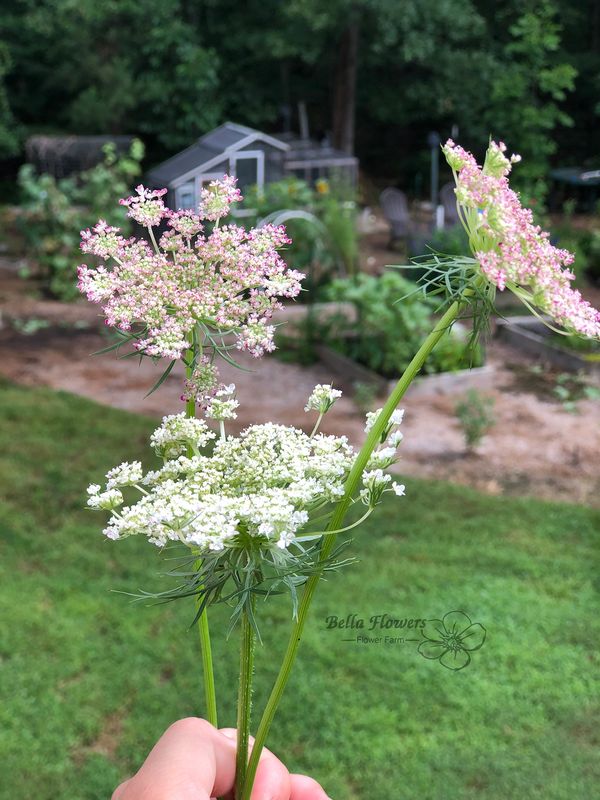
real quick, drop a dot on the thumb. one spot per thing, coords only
(191, 761)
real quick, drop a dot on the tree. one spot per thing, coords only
(528, 90)
(9, 134)
(111, 66)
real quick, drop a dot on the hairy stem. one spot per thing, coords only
(247, 646)
(336, 521)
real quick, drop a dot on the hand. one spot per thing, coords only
(194, 761)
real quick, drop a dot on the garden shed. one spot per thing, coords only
(255, 158)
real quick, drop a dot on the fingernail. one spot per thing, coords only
(229, 734)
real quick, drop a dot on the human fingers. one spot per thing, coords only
(191, 761)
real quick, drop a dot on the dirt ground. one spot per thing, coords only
(536, 447)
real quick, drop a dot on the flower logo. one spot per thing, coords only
(451, 640)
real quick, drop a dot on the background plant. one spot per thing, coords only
(388, 332)
(169, 70)
(569, 388)
(55, 211)
(475, 413)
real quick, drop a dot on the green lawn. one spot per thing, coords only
(88, 681)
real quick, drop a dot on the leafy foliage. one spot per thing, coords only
(170, 70)
(475, 415)
(55, 211)
(527, 91)
(392, 321)
(115, 65)
(8, 127)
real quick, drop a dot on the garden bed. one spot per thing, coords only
(350, 373)
(532, 337)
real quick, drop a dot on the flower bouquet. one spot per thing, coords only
(263, 512)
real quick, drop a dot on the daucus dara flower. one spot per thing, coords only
(222, 406)
(264, 484)
(202, 383)
(512, 251)
(145, 207)
(227, 280)
(322, 398)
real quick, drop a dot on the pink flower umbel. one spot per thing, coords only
(512, 251)
(229, 280)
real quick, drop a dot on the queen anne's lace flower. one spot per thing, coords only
(322, 398)
(107, 501)
(146, 207)
(512, 251)
(202, 383)
(178, 434)
(393, 436)
(222, 406)
(265, 483)
(125, 474)
(229, 279)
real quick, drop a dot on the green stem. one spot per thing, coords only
(244, 699)
(207, 668)
(337, 518)
(203, 628)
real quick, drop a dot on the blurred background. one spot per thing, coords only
(331, 118)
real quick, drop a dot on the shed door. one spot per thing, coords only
(248, 166)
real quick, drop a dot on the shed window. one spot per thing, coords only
(185, 196)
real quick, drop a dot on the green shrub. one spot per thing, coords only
(55, 211)
(475, 415)
(392, 321)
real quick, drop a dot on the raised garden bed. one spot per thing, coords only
(530, 335)
(350, 373)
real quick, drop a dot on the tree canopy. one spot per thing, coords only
(527, 71)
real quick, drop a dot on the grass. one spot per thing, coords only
(88, 681)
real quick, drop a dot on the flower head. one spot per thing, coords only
(322, 398)
(218, 196)
(146, 207)
(511, 250)
(229, 279)
(222, 405)
(178, 434)
(263, 484)
(390, 429)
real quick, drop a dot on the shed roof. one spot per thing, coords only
(227, 137)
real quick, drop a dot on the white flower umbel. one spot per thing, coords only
(178, 434)
(124, 475)
(222, 406)
(322, 399)
(259, 489)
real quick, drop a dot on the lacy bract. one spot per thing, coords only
(264, 484)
